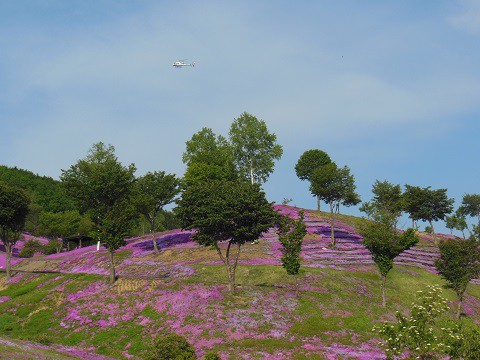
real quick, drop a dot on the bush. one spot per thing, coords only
(27, 252)
(212, 355)
(51, 247)
(171, 347)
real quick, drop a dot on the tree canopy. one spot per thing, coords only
(471, 206)
(334, 185)
(308, 163)
(208, 157)
(14, 206)
(459, 262)
(235, 212)
(255, 149)
(385, 243)
(102, 188)
(153, 191)
(427, 204)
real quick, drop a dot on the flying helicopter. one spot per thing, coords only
(182, 63)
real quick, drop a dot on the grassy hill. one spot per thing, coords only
(183, 289)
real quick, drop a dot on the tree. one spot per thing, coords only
(459, 263)
(427, 205)
(471, 206)
(153, 192)
(208, 157)
(308, 162)
(387, 199)
(333, 184)
(14, 206)
(291, 233)
(225, 211)
(63, 224)
(254, 148)
(385, 243)
(102, 188)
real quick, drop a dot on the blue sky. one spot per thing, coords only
(389, 88)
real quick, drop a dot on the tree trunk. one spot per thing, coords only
(384, 282)
(8, 248)
(413, 224)
(318, 203)
(332, 224)
(251, 173)
(112, 268)
(459, 308)
(433, 233)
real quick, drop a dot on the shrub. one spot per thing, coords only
(418, 333)
(171, 347)
(27, 252)
(51, 247)
(212, 355)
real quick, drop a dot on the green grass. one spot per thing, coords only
(339, 307)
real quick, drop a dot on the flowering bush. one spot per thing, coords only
(418, 333)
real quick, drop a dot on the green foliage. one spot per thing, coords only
(309, 161)
(152, 192)
(171, 347)
(428, 229)
(459, 262)
(208, 157)
(464, 343)
(14, 206)
(470, 206)
(387, 199)
(418, 333)
(45, 192)
(103, 188)
(254, 148)
(212, 355)
(333, 184)
(64, 224)
(26, 253)
(236, 212)
(426, 204)
(291, 233)
(53, 246)
(385, 243)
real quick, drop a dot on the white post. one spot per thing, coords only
(98, 246)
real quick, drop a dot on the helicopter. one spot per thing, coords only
(182, 63)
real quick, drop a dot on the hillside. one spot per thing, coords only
(45, 191)
(183, 289)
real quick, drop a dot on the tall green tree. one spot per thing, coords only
(234, 212)
(459, 262)
(308, 162)
(291, 233)
(471, 206)
(333, 184)
(385, 243)
(14, 206)
(153, 192)
(208, 157)
(255, 149)
(64, 224)
(103, 188)
(427, 205)
(387, 199)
